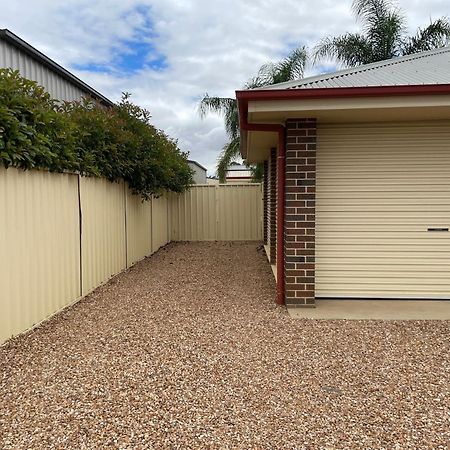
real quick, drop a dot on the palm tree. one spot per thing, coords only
(290, 68)
(382, 37)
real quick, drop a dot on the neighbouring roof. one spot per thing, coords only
(431, 67)
(23, 46)
(236, 170)
(236, 167)
(191, 161)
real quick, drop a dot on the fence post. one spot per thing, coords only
(151, 225)
(216, 195)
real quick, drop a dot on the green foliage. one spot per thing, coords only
(382, 37)
(116, 143)
(257, 172)
(228, 155)
(32, 133)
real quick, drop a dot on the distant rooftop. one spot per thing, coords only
(237, 166)
(430, 67)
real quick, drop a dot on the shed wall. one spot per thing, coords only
(56, 86)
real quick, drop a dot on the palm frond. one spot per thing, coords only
(255, 82)
(229, 153)
(385, 37)
(350, 49)
(370, 12)
(225, 107)
(257, 172)
(435, 35)
(290, 68)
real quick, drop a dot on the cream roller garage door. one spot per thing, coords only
(383, 205)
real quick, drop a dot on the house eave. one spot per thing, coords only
(326, 98)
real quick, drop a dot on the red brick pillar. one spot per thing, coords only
(265, 201)
(273, 206)
(300, 212)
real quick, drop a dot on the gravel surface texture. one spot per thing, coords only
(187, 350)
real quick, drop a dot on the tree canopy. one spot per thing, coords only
(382, 36)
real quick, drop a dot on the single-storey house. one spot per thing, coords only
(357, 177)
(238, 173)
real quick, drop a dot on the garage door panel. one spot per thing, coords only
(402, 293)
(392, 244)
(379, 189)
(380, 271)
(366, 263)
(364, 233)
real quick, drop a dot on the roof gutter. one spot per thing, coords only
(281, 176)
(342, 92)
(243, 97)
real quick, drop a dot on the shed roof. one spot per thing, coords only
(430, 67)
(191, 161)
(20, 44)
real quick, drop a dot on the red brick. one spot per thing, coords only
(300, 210)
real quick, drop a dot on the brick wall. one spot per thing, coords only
(273, 206)
(265, 200)
(300, 212)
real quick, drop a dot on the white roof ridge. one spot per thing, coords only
(356, 70)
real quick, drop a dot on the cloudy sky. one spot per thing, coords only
(168, 53)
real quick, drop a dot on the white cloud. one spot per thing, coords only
(210, 46)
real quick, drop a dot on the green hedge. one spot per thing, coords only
(117, 143)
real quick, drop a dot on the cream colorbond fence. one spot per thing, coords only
(39, 247)
(223, 212)
(62, 235)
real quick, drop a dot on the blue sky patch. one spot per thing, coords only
(135, 54)
(140, 54)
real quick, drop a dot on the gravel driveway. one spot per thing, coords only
(188, 350)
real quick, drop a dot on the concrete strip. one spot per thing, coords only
(375, 310)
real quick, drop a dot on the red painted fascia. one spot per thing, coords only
(368, 91)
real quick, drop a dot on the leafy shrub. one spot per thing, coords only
(116, 143)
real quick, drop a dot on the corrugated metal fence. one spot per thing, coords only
(223, 212)
(62, 235)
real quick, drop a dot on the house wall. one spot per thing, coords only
(266, 202)
(272, 206)
(370, 218)
(57, 86)
(63, 235)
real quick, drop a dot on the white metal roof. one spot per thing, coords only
(237, 167)
(431, 67)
